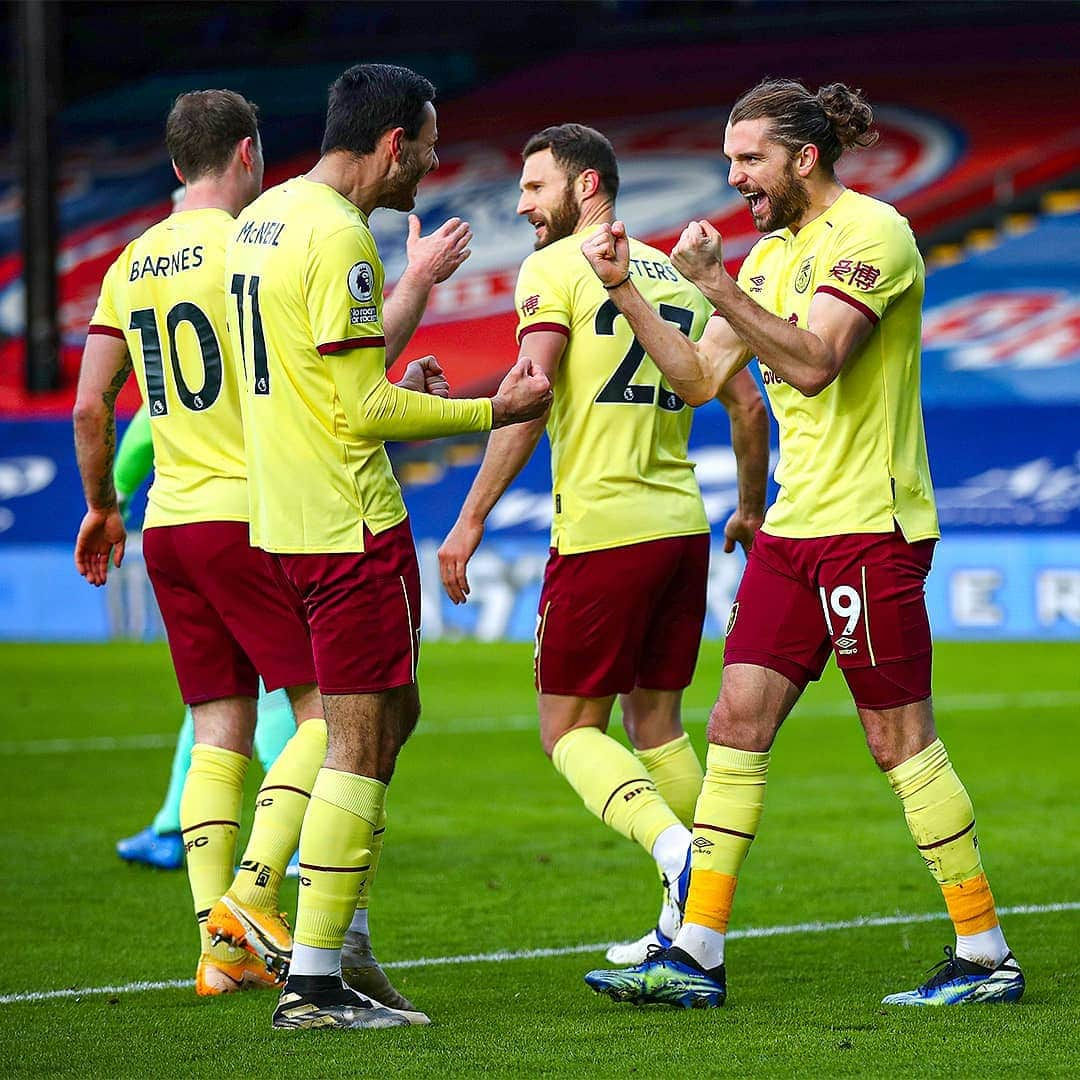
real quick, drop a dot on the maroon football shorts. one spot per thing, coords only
(627, 617)
(859, 596)
(229, 614)
(363, 611)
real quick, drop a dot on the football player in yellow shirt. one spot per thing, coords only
(623, 601)
(228, 613)
(829, 301)
(313, 340)
(162, 311)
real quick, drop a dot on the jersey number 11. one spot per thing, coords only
(260, 368)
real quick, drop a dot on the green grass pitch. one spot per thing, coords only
(490, 851)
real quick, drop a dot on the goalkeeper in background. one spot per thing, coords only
(160, 844)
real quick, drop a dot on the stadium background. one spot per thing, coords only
(981, 140)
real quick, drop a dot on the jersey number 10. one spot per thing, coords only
(145, 321)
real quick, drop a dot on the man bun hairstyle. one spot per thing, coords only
(849, 114)
(370, 99)
(834, 119)
(576, 148)
(203, 128)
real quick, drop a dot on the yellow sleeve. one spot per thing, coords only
(377, 409)
(106, 319)
(345, 298)
(869, 265)
(541, 298)
(343, 285)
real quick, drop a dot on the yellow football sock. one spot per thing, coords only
(209, 822)
(677, 773)
(725, 822)
(335, 854)
(279, 812)
(942, 823)
(378, 834)
(613, 784)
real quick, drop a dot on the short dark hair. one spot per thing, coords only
(203, 128)
(834, 119)
(576, 148)
(370, 99)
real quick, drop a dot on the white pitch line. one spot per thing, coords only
(487, 725)
(127, 988)
(504, 956)
(80, 746)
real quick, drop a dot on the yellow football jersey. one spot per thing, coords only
(306, 288)
(620, 471)
(853, 458)
(165, 297)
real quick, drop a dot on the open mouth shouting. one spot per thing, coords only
(758, 202)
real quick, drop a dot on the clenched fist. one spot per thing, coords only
(524, 394)
(425, 376)
(699, 254)
(608, 252)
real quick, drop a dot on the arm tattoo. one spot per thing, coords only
(117, 384)
(106, 493)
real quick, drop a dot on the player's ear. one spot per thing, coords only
(589, 183)
(179, 175)
(394, 138)
(806, 159)
(246, 149)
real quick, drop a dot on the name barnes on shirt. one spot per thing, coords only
(188, 258)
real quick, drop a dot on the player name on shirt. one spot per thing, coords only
(260, 232)
(188, 258)
(658, 271)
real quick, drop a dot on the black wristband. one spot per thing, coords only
(618, 284)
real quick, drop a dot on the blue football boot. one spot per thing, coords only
(956, 981)
(165, 851)
(668, 977)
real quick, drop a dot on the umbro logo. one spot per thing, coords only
(701, 843)
(846, 646)
(757, 283)
(845, 642)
